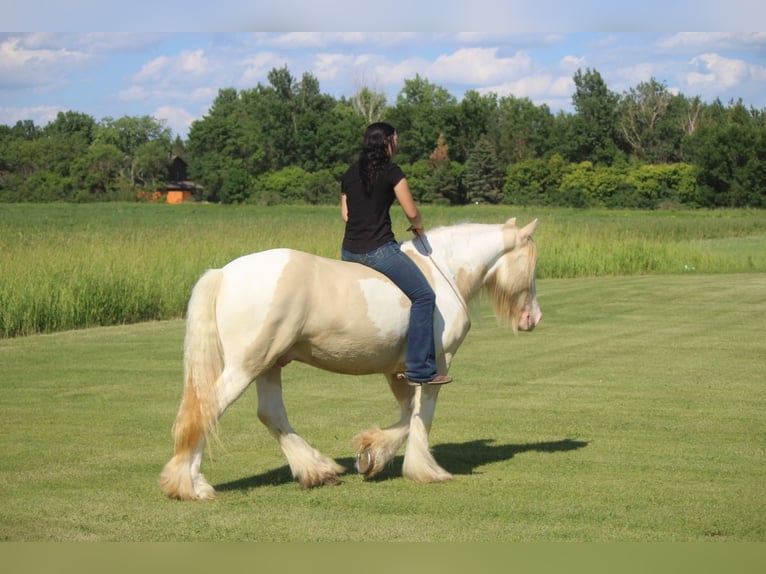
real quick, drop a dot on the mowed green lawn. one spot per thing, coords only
(635, 412)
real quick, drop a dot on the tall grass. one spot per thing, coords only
(70, 266)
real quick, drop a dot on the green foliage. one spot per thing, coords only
(669, 184)
(437, 182)
(284, 186)
(236, 183)
(100, 169)
(636, 185)
(43, 186)
(534, 181)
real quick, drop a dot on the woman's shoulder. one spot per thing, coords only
(352, 171)
(393, 171)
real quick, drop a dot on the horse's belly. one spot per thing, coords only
(342, 354)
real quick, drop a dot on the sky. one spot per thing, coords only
(53, 63)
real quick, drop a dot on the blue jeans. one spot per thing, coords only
(389, 260)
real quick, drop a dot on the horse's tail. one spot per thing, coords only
(203, 363)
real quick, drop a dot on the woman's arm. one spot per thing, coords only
(344, 207)
(406, 201)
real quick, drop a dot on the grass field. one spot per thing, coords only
(633, 413)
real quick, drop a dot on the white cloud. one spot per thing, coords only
(21, 66)
(178, 119)
(538, 88)
(477, 66)
(189, 63)
(134, 93)
(204, 94)
(572, 62)
(331, 66)
(255, 68)
(718, 71)
(696, 41)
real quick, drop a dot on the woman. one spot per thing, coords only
(368, 190)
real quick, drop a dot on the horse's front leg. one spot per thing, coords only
(375, 447)
(309, 467)
(419, 464)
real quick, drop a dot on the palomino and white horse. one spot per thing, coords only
(249, 319)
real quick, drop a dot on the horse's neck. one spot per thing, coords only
(469, 251)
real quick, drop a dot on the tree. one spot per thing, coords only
(129, 133)
(419, 117)
(26, 129)
(483, 175)
(443, 184)
(150, 164)
(229, 139)
(729, 150)
(520, 130)
(369, 104)
(309, 111)
(641, 110)
(469, 121)
(99, 170)
(71, 125)
(593, 127)
(339, 136)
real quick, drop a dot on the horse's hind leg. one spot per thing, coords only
(419, 464)
(197, 419)
(309, 467)
(376, 447)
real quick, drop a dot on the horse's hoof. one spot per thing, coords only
(364, 461)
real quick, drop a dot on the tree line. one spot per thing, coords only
(286, 142)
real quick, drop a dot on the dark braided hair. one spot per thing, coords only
(375, 155)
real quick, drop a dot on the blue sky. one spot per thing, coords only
(175, 75)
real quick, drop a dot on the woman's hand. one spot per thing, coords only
(416, 231)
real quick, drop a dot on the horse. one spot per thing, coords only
(247, 320)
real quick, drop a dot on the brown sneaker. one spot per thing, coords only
(437, 380)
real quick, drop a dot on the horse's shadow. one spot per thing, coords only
(456, 458)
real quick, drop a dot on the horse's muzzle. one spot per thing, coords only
(530, 319)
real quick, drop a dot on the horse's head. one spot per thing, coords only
(511, 279)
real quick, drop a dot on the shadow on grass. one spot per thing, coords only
(465, 457)
(457, 458)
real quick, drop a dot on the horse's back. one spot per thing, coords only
(301, 282)
(314, 309)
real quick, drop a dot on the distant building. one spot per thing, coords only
(179, 188)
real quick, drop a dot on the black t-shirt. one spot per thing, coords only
(369, 221)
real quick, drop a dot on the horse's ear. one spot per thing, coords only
(529, 229)
(511, 222)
